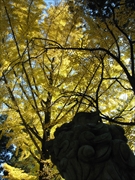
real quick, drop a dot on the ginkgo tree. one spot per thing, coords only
(33, 80)
(54, 63)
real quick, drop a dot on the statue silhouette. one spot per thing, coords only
(87, 149)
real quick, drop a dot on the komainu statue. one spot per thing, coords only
(87, 149)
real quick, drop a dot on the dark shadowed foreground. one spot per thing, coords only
(87, 149)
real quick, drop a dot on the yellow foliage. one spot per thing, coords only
(42, 72)
(17, 173)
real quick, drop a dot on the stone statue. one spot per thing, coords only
(87, 149)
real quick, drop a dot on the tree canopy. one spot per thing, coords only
(56, 61)
(102, 8)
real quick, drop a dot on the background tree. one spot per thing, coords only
(103, 8)
(6, 153)
(55, 63)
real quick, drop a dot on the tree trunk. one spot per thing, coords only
(46, 135)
